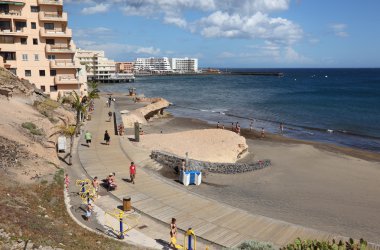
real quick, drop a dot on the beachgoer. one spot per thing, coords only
(173, 232)
(262, 133)
(183, 166)
(88, 138)
(238, 130)
(109, 116)
(95, 184)
(218, 125)
(67, 182)
(282, 128)
(132, 172)
(109, 101)
(237, 125)
(107, 138)
(222, 126)
(232, 128)
(121, 129)
(251, 126)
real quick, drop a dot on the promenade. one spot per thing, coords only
(213, 221)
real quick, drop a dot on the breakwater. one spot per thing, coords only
(172, 161)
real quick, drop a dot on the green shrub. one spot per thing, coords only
(32, 128)
(326, 245)
(254, 245)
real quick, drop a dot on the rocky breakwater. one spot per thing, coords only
(172, 161)
(141, 115)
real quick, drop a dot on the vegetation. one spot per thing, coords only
(37, 213)
(46, 108)
(68, 131)
(326, 245)
(33, 129)
(254, 245)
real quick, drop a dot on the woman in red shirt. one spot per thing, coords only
(132, 172)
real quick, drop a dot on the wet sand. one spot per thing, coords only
(321, 186)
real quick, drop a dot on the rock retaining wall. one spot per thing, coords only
(172, 161)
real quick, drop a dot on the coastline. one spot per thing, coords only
(326, 187)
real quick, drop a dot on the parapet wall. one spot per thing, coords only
(172, 161)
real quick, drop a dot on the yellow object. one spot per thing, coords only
(173, 241)
(87, 191)
(188, 233)
(130, 220)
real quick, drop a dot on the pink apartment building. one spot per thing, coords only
(36, 44)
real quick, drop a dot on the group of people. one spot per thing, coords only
(236, 128)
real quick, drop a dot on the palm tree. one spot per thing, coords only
(80, 108)
(68, 131)
(94, 93)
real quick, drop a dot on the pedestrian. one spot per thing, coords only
(281, 128)
(107, 138)
(173, 232)
(251, 126)
(183, 166)
(218, 125)
(121, 129)
(238, 130)
(232, 128)
(222, 126)
(95, 184)
(109, 101)
(262, 133)
(109, 116)
(67, 182)
(132, 172)
(88, 138)
(88, 211)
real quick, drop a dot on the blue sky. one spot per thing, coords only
(232, 33)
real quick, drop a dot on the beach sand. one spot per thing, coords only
(320, 186)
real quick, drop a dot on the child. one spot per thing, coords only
(88, 211)
(67, 182)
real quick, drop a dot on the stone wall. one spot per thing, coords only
(172, 161)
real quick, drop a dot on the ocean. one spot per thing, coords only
(339, 106)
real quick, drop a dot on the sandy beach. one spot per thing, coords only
(320, 186)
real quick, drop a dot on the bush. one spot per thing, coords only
(326, 245)
(254, 245)
(32, 128)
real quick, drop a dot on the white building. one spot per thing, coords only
(152, 64)
(184, 65)
(99, 68)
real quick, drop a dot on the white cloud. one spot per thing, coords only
(89, 32)
(147, 51)
(339, 29)
(180, 22)
(98, 8)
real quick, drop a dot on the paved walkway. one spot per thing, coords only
(211, 220)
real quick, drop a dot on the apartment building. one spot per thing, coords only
(125, 67)
(99, 68)
(36, 44)
(159, 65)
(184, 65)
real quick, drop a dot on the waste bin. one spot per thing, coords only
(190, 177)
(184, 177)
(61, 144)
(127, 203)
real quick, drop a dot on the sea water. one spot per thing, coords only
(340, 106)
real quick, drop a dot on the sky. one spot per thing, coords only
(232, 33)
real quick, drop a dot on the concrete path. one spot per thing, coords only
(161, 199)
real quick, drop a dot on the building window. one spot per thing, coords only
(53, 88)
(25, 57)
(53, 72)
(36, 57)
(24, 40)
(51, 57)
(35, 41)
(49, 26)
(33, 25)
(42, 72)
(50, 41)
(34, 9)
(43, 88)
(28, 72)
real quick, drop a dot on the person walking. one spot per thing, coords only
(251, 126)
(67, 182)
(173, 232)
(132, 172)
(281, 128)
(109, 116)
(107, 138)
(262, 133)
(88, 138)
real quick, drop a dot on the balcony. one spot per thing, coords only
(53, 16)
(11, 14)
(19, 32)
(66, 79)
(60, 48)
(64, 64)
(15, 2)
(56, 33)
(50, 2)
